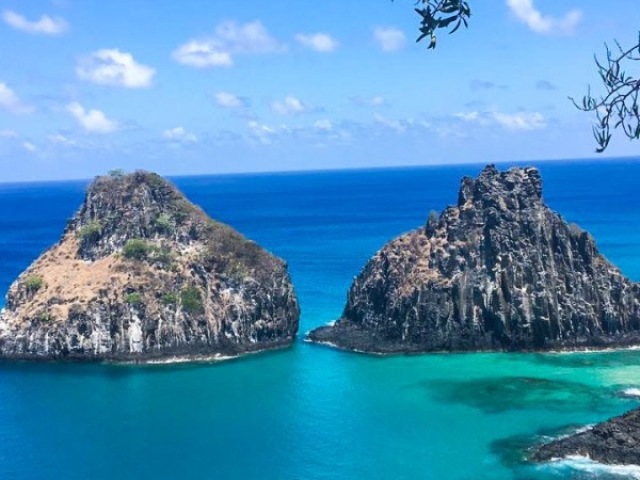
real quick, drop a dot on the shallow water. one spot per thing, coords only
(310, 411)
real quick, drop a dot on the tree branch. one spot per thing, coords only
(618, 106)
(437, 14)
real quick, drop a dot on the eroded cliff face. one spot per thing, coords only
(141, 274)
(498, 271)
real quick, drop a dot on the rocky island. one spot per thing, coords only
(141, 274)
(614, 442)
(498, 271)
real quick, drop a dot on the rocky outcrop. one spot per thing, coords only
(616, 441)
(498, 271)
(141, 274)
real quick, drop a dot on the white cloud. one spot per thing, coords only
(317, 134)
(468, 116)
(510, 121)
(11, 102)
(61, 140)
(179, 135)
(251, 37)
(521, 121)
(91, 120)
(290, 106)
(323, 124)
(320, 42)
(114, 68)
(229, 39)
(394, 125)
(202, 54)
(229, 100)
(8, 134)
(29, 147)
(390, 39)
(263, 133)
(527, 13)
(45, 25)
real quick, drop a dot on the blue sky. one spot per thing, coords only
(238, 86)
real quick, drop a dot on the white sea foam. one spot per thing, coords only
(216, 357)
(585, 464)
(355, 350)
(190, 359)
(549, 439)
(586, 428)
(308, 340)
(594, 350)
(324, 342)
(631, 392)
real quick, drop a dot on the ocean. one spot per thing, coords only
(311, 412)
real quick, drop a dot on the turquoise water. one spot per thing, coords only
(312, 412)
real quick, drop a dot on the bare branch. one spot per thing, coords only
(618, 106)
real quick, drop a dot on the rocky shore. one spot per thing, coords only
(614, 442)
(141, 274)
(498, 271)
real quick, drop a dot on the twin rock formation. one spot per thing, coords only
(141, 274)
(498, 271)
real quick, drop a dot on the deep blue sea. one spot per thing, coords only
(311, 412)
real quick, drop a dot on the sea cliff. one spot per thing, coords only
(141, 274)
(499, 270)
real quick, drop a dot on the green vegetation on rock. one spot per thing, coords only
(162, 255)
(141, 250)
(44, 316)
(133, 298)
(232, 255)
(182, 210)
(136, 249)
(169, 298)
(191, 300)
(164, 225)
(90, 232)
(34, 283)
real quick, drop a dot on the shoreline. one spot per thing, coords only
(587, 464)
(199, 359)
(612, 442)
(180, 360)
(411, 352)
(155, 360)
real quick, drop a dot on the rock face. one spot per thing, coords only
(498, 271)
(142, 274)
(616, 441)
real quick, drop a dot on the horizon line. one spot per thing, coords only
(340, 169)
